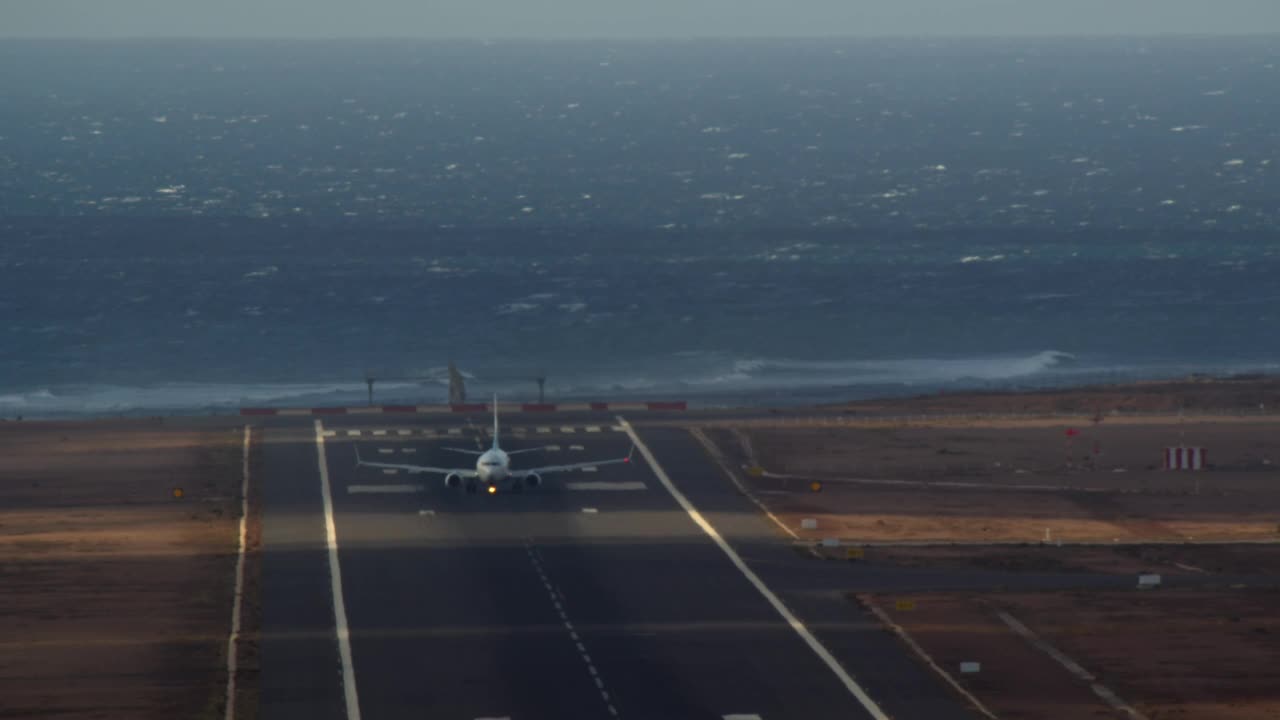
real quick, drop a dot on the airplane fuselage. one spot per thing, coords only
(493, 466)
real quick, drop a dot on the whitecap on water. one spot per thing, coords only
(516, 307)
(267, 271)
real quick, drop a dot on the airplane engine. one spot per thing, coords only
(452, 481)
(533, 480)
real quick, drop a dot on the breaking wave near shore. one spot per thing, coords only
(702, 378)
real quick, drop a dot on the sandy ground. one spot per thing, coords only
(988, 483)
(117, 596)
(982, 481)
(1184, 654)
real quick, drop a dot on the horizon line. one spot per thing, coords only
(648, 38)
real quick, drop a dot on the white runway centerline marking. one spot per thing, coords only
(379, 432)
(400, 489)
(335, 582)
(536, 558)
(593, 428)
(606, 485)
(794, 622)
(404, 432)
(386, 451)
(353, 433)
(590, 511)
(567, 430)
(544, 430)
(576, 447)
(742, 716)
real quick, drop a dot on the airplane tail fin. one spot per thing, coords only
(495, 421)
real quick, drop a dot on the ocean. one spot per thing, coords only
(202, 225)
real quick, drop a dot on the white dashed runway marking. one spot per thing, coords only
(567, 430)
(384, 489)
(536, 558)
(605, 485)
(379, 432)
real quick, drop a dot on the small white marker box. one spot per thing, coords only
(1148, 581)
(970, 668)
(809, 524)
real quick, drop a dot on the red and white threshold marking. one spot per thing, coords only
(471, 408)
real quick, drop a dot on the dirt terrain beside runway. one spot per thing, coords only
(979, 483)
(1169, 654)
(117, 596)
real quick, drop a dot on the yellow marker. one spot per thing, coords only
(493, 489)
(755, 471)
(815, 486)
(853, 553)
(177, 492)
(905, 605)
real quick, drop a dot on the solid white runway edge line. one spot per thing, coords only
(233, 640)
(335, 584)
(799, 627)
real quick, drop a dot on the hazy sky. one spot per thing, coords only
(629, 18)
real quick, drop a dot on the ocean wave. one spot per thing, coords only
(173, 397)
(697, 376)
(907, 370)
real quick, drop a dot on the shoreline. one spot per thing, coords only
(1212, 394)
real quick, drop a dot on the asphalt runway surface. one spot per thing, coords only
(594, 596)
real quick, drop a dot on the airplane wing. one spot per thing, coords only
(460, 472)
(481, 452)
(525, 472)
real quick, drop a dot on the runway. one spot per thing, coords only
(595, 596)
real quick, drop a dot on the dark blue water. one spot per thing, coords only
(199, 224)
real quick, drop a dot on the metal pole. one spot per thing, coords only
(369, 381)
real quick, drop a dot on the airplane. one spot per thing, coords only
(493, 467)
